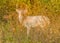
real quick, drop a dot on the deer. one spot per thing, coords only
(32, 21)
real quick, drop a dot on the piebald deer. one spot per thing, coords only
(32, 21)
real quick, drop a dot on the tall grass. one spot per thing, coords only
(11, 31)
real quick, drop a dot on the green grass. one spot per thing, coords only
(11, 30)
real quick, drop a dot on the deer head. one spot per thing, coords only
(21, 10)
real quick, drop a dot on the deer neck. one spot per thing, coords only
(20, 17)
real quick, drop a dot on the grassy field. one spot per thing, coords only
(11, 31)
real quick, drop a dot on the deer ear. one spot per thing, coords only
(17, 10)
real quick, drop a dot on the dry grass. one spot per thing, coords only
(11, 31)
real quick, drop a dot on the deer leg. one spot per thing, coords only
(28, 31)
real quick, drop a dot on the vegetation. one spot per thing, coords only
(11, 31)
